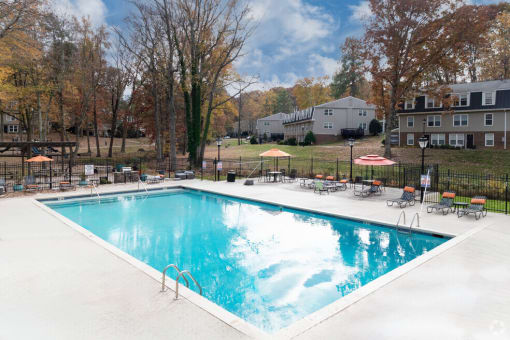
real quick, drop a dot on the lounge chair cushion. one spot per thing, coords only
(318, 176)
(377, 183)
(330, 178)
(344, 181)
(448, 195)
(481, 201)
(409, 189)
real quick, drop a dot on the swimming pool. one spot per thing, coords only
(270, 266)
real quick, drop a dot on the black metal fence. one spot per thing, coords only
(464, 184)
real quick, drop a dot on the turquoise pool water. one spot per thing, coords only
(270, 266)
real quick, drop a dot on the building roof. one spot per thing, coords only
(349, 101)
(481, 86)
(298, 116)
(307, 114)
(276, 116)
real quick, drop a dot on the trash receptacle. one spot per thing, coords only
(231, 176)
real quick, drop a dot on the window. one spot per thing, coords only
(488, 119)
(9, 118)
(434, 121)
(409, 104)
(12, 128)
(410, 122)
(410, 139)
(460, 120)
(456, 140)
(267, 123)
(489, 139)
(328, 125)
(488, 98)
(362, 112)
(437, 139)
(431, 102)
(328, 112)
(460, 99)
(363, 126)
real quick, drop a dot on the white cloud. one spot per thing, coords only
(360, 11)
(95, 10)
(322, 66)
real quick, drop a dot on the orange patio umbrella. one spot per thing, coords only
(39, 159)
(275, 153)
(373, 160)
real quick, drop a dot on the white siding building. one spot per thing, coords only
(271, 126)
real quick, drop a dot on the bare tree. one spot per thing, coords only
(18, 15)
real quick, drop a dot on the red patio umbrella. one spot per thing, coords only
(373, 160)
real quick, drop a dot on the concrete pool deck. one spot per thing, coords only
(55, 283)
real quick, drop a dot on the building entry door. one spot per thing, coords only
(470, 141)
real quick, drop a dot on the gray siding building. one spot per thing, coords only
(327, 120)
(271, 126)
(477, 118)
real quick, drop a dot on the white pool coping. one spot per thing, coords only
(234, 321)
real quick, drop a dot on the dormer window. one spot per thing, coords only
(409, 104)
(328, 112)
(488, 98)
(432, 103)
(460, 99)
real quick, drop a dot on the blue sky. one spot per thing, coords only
(293, 38)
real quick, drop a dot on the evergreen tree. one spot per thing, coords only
(350, 76)
(283, 102)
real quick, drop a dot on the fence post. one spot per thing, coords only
(337, 168)
(448, 183)
(311, 168)
(51, 177)
(240, 165)
(399, 175)
(506, 194)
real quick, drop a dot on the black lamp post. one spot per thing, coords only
(218, 143)
(423, 145)
(351, 144)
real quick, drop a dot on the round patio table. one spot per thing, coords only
(458, 205)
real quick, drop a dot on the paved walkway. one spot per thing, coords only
(55, 283)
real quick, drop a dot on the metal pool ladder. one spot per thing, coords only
(181, 273)
(402, 213)
(416, 218)
(95, 189)
(143, 184)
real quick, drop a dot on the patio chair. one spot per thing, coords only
(3, 187)
(30, 184)
(292, 176)
(342, 184)
(320, 188)
(64, 186)
(445, 205)
(407, 198)
(373, 189)
(476, 207)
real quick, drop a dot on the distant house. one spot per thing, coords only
(327, 121)
(477, 117)
(271, 126)
(10, 124)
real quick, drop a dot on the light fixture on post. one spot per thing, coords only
(218, 143)
(350, 141)
(423, 142)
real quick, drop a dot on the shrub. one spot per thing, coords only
(375, 127)
(292, 141)
(253, 140)
(309, 138)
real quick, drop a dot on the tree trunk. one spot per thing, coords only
(115, 105)
(62, 119)
(98, 150)
(389, 124)
(171, 120)
(1, 126)
(89, 151)
(124, 135)
(155, 96)
(39, 113)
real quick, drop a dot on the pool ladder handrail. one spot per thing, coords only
(143, 184)
(402, 213)
(416, 218)
(181, 273)
(95, 189)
